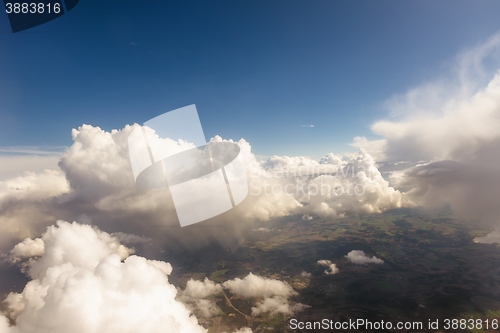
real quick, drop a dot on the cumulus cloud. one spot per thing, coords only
(244, 330)
(12, 166)
(84, 280)
(324, 262)
(257, 286)
(360, 258)
(453, 117)
(96, 179)
(491, 238)
(277, 305)
(331, 268)
(202, 289)
(130, 239)
(376, 148)
(459, 130)
(194, 297)
(273, 296)
(358, 188)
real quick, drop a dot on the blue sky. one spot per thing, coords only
(255, 69)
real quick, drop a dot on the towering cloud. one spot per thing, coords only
(360, 258)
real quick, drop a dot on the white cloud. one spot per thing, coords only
(244, 330)
(457, 130)
(331, 268)
(96, 179)
(86, 281)
(32, 186)
(360, 258)
(358, 187)
(257, 286)
(450, 125)
(29, 248)
(376, 148)
(32, 150)
(263, 230)
(452, 117)
(130, 239)
(277, 305)
(273, 295)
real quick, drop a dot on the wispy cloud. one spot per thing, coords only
(32, 150)
(308, 126)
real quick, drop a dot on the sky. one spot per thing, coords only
(414, 84)
(260, 70)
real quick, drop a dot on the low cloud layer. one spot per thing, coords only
(95, 185)
(360, 258)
